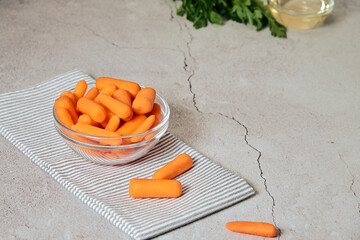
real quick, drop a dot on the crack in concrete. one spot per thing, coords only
(259, 165)
(352, 182)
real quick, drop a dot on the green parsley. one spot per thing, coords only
(253, 12)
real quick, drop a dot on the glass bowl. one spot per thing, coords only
(115, 150)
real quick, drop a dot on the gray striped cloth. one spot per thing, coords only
(26, 121)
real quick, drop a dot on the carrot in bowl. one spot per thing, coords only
(131, 87)
(67, 103)
(144, 101)
(254, 228)
(118, 108)
(145, 126)
(80, 89)
(92, 93)
(91, 108)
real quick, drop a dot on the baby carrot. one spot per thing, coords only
(255, 228)
(129, 127)
(156, 111)
(98, 132)
(118, 108)
(113, 124)
(146, 125)
(92, 93)
(84, 118)
(69, 95)
(91, 108)
(66, 102)
(174, 168)
(80, 89)
(64, 116)
(123, 96)
(154, 188)
(131, 87)
(144, 101)
(109, 89)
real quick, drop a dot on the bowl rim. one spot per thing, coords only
(132, 145)
(293, 13)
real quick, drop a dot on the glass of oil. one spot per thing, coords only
(300, 14)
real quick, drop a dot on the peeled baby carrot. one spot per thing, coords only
(118, 108)
(129, 127)
(64, 116)
(92, 93)
(69, 95)
(156, 111)
(113, 124)
(144, 101)
(174, 168)
(255, 228)
(109, 89)
(91, 108)
(80, 89)
(154, 188)
(98, 132)
(84, 118)
(131, 87)
(123, 96)
(146, 125)
(66, 102)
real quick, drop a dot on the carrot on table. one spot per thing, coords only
(92, 93)
(255, 228)
(131, 87)
(113, 123)
(123, 96)
(154, 188)
(129, 127)
(145, 126)
(64, 116)
(67, 103)
(174, 168)
(144, 101)
(115, 106)
(69, 95)
(109, 89)
(80, 89)
(91, 108)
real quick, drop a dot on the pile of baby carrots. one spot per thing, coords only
(113, 108)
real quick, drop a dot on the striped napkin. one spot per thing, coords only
(26, 121)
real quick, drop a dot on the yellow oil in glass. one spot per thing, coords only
(300, 14)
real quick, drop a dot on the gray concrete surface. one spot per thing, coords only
(282, 113)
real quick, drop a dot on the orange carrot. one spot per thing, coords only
(118, 108)
(154, 188)
(91, 108)
(255, 228)
(69, 95)
(64, 116)
(144, 101)
(92, 93)
(146, 125)
(129, 127)
(131, 87)
(113, 124)
(80, 89)
(84, 118)
(98, 132)
(123, 96)
(174, 168)
(109, 89)
(156, 111)
(66, 102)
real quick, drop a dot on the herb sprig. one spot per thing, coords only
(253, 12)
